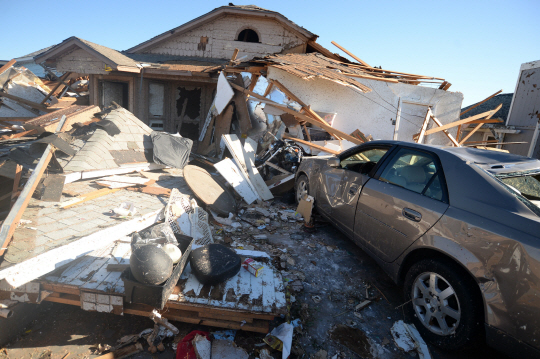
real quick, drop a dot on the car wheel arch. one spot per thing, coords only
(418, 254)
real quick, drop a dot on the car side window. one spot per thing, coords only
(416, 171)
(363, 161)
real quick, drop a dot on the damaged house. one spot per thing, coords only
(169, 81)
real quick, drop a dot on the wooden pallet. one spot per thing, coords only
(243, 302)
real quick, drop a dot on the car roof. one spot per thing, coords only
(495, 162)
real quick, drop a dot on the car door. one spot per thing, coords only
(354, 171)
(407, 197)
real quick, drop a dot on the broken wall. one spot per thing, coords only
(525, 110)
(375, 112)
(217, 39)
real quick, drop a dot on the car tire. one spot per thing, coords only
(426, 283)
(301, 187)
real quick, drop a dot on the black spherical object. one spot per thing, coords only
(214, 263)
(150, 264)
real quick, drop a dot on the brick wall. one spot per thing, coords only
(222, 32)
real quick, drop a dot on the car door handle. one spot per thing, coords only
(352, 190)
(412, 214)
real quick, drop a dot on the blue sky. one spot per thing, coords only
(478, 46)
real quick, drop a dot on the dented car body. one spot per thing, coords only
(472, 210)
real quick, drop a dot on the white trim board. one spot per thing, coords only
(33, 268)
(234, 177)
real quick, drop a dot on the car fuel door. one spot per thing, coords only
(400, 205)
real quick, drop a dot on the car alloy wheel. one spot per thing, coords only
(301, 188)
(435, 303)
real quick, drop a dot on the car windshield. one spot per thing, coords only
(526, 186)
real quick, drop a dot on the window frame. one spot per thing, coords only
(439, 171)
(355, 150)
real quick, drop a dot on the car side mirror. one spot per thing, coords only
(333, 162)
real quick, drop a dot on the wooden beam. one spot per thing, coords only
(222, 127)
(371, 77)
(60, 83)
(461, 122)
(35, 105)
(387, 72)
(321, 148)
(89, 196)
(242, 111)
(14, 216)
(471, 133)
(18, 135)
(424, 126)
(16, 184)
(253, 83)
(476, 128)
(233, 57)
(307, 109)
(481, 102)
(300, 116)
(350, 54)
(7, 66)
(454, 141)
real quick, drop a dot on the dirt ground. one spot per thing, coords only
(330, 274)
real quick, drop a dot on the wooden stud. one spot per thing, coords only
(300, 116)
(371, 77)
(34, 105)
(242, 111)
(222, 127)
(60, 83)
(321, 148)
(481, 102)
(454, 141)
(233, 57)
(461, 122)
(7, 66)
(350, 54)
(90, 196)
(424, 126)
(476, 128)
(16, 184)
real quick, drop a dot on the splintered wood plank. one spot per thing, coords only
(77, 267)
(244, 289)
(89, 271)
(268, 289)
(256, 297)
(223, 126)
(117, 255)
(281, 301)
(253, 178)
(424, 126)
(192, 287)
(250, 147)
(230, 292)
(234, 176)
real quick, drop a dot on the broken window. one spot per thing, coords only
(248, 35)
(156, 105)
(188, 110)
(112, 91)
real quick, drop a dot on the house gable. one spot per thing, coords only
(218, 39)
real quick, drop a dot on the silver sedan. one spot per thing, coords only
(457, 227)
